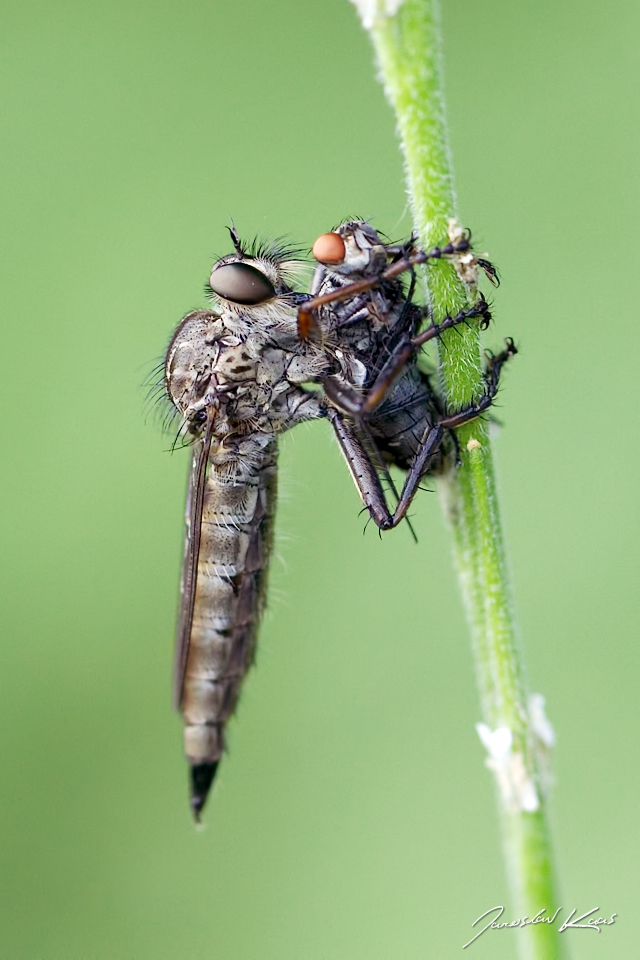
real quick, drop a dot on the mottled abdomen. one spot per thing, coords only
(235, 547)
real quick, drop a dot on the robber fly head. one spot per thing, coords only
(211, 366)
(254, 275)
(353, 247)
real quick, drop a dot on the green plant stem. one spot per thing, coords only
(407, 45)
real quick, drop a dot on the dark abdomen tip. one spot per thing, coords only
(202, 775)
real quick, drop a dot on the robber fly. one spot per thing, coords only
(381, 404)
(234, 373)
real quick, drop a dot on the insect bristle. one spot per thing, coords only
(353, 219)
(157, 404)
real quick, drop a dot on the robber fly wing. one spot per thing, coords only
(195, 501)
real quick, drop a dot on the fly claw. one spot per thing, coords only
(490, 272)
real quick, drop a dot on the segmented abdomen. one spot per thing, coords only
(400, 422)
(235, 546)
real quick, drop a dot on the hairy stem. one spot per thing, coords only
(406, 37)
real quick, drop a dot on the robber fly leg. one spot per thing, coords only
(356, 404)
(429, 446)
(434, 330)
(305, 311)
(403, 351)
(365, 475)
(491, 378)
(348, 399)
(362, 469)
(398, 267)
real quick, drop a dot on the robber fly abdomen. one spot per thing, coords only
(235, 376)
(236, 533)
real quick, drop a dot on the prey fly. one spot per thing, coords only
(381, 404)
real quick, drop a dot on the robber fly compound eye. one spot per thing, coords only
(329, 248)
(241, 283)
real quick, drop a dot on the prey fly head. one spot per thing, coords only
(354, 247)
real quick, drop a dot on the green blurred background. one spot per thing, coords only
(353, 817)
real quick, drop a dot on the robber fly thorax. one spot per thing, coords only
(235, 374)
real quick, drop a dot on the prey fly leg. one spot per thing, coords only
(365, 474)
(356, 403)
